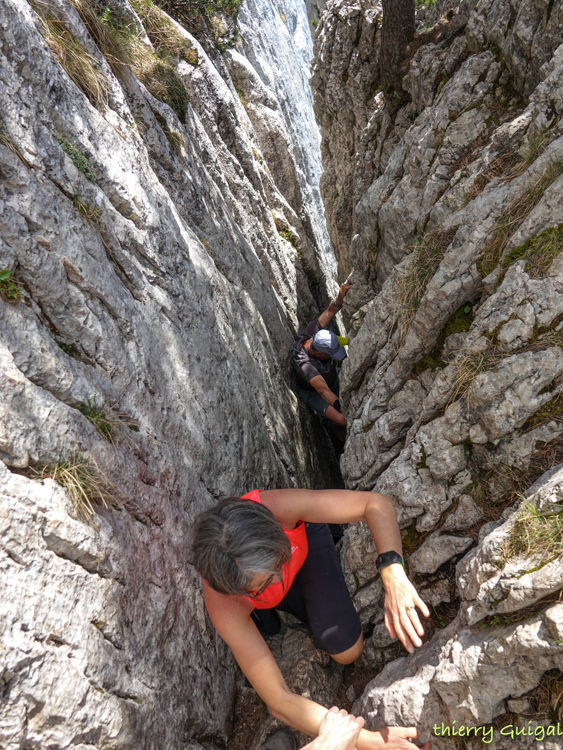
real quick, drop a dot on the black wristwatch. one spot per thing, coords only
(388, 558)
(335, 303)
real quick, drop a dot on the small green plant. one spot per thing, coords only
(495, 621)
(241, 96)
(430, 361)
(205, 242)
(68, 349)
(293, 240)
(84, 483)
(81, 67)
(165, 37)
(101, 418)
(538, 252)
(411, 540)
(79, 160)
(460, 321)
(550, 411)
(314, 23)
(9, 289)
(425, 259)
(518, 210)
(288, 235)
(536, 532)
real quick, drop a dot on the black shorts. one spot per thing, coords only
(319, 597)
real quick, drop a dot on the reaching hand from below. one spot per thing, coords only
(339, 730)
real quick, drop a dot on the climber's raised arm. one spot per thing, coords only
(334, 307)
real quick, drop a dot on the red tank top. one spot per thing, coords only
(299, 549)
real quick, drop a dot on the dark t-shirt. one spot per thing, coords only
(306, 366)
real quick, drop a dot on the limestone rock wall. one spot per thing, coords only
(155, 281)
(467, 673)
(444, 203)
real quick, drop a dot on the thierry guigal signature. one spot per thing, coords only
(486, 734)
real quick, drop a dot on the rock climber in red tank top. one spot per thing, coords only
(272, 551)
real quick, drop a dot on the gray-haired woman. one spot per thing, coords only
(273, 550)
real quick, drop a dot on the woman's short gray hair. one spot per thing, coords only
(235, 540)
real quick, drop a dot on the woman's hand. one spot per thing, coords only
(401, 600)
(339, 730)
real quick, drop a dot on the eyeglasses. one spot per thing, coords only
(268, 581)
(263, 587)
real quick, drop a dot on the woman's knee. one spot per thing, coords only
(351, 654)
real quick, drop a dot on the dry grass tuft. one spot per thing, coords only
(510, 618)
(217, 17)
(536, 532)
(84, 483)
(425, 259)
(513, 218)
(8, 141)
(90, 214)
(551, 411)
(545, 341)
(536, 146)
(81, 67)
(547, 698)
(471, 365)
(101, 417)
(496, 490)
(108, 422)
(117, 39)
(497, 168)
(164, 35)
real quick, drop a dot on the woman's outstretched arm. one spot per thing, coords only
(231, 617)
(346, 506)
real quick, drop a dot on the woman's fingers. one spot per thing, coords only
(389, 624)
(422, 606)
(401, 633)
(409, 626)
(400, 738)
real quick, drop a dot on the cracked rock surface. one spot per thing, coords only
(452, 388)
(157, 287)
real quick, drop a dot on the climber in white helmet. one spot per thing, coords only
(315, 354)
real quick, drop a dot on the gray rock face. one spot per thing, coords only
(465, 674)
(452, 403)
(161, 290)
(489, 584)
